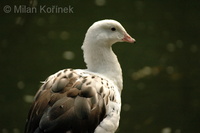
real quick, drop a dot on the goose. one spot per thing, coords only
(83, 100)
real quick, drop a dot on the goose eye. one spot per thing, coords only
(113, 29)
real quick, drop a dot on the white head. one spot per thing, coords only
(98, 54)
(107, 32)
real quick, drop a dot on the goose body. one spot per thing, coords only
(83, 100)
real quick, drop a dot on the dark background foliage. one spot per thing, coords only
(161, 71)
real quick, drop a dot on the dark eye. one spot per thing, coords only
(113, 29)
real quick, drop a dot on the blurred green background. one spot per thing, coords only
(161, 71)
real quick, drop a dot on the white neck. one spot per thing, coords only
(100, 58)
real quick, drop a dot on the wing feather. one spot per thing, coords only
(69, 101)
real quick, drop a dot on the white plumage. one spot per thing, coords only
(83, 101)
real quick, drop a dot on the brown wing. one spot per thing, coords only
(67, 102)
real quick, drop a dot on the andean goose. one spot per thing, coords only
(83, 100)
